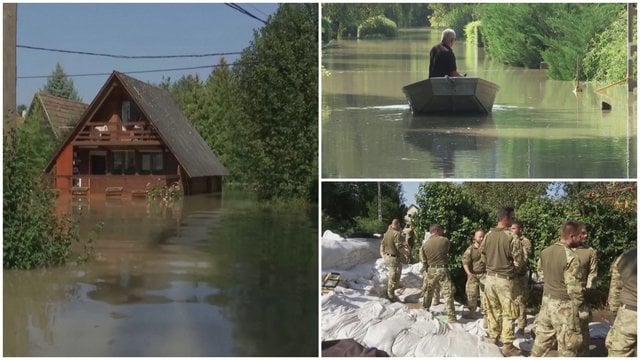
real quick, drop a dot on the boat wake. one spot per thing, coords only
(497, 107)
(384, 108)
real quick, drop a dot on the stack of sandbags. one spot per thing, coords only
(396, 329)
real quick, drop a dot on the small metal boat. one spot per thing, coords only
(451, 95)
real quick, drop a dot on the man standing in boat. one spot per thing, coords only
(442, 61)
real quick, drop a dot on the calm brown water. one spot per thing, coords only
(538, 128)
(209, 276)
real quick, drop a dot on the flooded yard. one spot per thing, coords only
(538, 128)
(207, 276)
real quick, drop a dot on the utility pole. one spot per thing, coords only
(379, 203)
(9, 66)
(632, 46)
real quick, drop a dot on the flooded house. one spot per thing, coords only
(131, 136)
(58, 116)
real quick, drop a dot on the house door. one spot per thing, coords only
(98, 164)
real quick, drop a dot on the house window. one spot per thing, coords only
(128, 112)
(152, 163)
(123, 162)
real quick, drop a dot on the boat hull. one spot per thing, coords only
(451, 95)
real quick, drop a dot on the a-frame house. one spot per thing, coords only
(133, 134)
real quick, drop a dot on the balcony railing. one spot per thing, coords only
(130, 132)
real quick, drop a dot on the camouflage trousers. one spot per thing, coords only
(558, 322)
(432, 278)
(622, 339)
(500, 309)
(521, 294)
(583, 350)
(475, 290)
(394, 270)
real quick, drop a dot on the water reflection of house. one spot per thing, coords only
(131, 135)
(57, 115)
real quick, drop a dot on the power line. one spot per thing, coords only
(128, 56)
(258, 10)
(243, 11)
(129, 72)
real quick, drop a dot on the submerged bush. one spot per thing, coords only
(378, 26)
(34, 236)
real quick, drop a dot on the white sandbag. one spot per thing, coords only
(405, 344)
(343, 254)
(383, 334)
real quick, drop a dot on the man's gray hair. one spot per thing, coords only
(448, 34)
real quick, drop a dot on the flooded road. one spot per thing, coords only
(538, 129)
(208, 276)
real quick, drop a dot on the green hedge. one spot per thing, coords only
(378, 26)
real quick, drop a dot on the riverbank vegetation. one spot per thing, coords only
(575, 41)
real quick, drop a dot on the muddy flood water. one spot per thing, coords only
(207, 276)
(538, 128)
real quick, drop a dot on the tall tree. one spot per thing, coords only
(59, 84)
(224, 113)
(277, 142)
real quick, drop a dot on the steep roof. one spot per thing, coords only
(59, 112)
(175, 130)
(189, 148)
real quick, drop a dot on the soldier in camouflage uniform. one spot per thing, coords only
(435, 259)
(436, 290)
(588, 270)
(559, 318)
(502, 254)
(476, 273)
(622, 339)
(410, 238)
(521, 285)
(390, 248)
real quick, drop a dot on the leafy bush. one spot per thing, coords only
(378, 26)
(472, 33)
(512, 32)
(327, 30)
(607, 59)
(454, 16)
(164, 193)
(33, 235)
(570, 30)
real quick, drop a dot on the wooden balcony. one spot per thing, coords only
(138, 133)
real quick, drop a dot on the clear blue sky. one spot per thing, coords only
(410, 190)
(127, 29)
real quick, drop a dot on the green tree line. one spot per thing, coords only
(260, 115)
(575, 41)
(349, 207)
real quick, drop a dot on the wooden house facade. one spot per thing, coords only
(131, 136)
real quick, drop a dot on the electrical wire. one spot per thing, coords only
(128, 56)
(129, 72)
(243, 11)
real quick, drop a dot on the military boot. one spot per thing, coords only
(510, 350)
